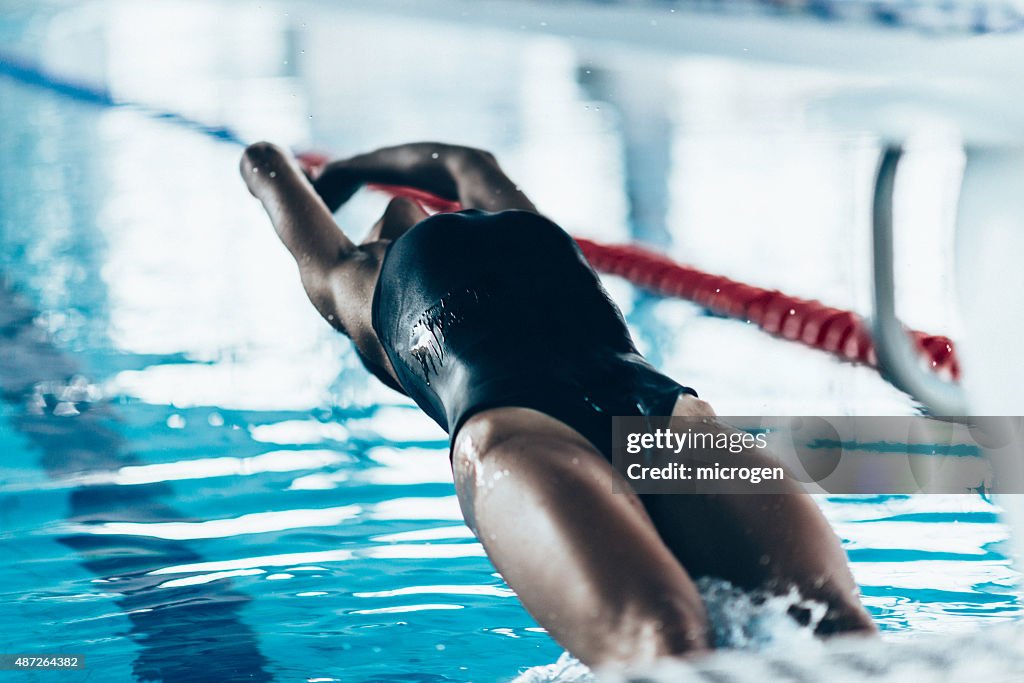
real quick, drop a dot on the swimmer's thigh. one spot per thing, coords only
(586, 562)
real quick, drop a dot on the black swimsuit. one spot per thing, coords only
(478, 310)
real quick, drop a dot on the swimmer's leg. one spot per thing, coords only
(586, 562)
(754, 541)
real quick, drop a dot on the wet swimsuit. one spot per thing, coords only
(478, 310)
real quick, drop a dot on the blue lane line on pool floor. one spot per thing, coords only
(29, 73)
(164, 633)
(956, 450)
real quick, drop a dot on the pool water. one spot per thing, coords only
(200, 482)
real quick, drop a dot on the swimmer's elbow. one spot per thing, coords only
(320, 292)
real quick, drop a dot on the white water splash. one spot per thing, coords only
(760, 642)
(757, 620)
(993, 655)
(567, 669)
(744, 620)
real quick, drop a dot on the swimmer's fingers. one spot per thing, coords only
(300, 217)
(333, 189)
(332, 181)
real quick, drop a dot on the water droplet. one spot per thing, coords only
(273, 174)
(255, 169)
(439, 647)
(176, 421)
(434, 155)
(765, 559)
(215, 420)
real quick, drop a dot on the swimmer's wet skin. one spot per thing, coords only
(492, 321)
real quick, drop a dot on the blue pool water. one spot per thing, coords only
(200, 482)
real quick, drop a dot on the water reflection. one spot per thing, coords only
(199, 619)
(49, 278)
(639, 93)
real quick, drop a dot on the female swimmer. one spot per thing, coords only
(492, 321)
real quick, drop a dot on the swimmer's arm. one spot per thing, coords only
(464, 174)
(338, 276)
(300, 217)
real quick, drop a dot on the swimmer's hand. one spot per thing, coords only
(333, 181)
(336, 185)
(469, 176)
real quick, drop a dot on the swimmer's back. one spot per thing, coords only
(516, 258)
(478, 310)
